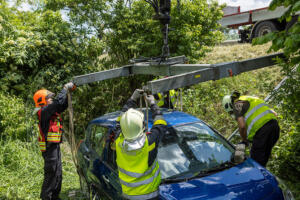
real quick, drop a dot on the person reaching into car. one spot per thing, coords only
(257, 123)
(136, 150)
(48, 110)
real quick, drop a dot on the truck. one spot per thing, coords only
(255, 23)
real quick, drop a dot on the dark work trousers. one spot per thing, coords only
(263, 142)
(52, 173)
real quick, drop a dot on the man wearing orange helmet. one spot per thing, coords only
(48, 110)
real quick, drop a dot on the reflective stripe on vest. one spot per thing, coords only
(257, 115)
(144, 182)
(144, 196)
(138, 175)
(257, 118)
(42, 146)
(138, 180)
(55, 130)
(41, 137)
(255, 109)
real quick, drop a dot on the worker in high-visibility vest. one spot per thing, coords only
(166, 99)
(48, 110)
(257, 124)
(136, 150)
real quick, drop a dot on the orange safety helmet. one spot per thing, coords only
(40, 97)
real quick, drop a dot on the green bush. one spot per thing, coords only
(41, 50)
(286, 163)
(15, 118)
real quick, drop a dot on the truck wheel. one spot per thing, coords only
(264, 28)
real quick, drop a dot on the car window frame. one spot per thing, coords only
(214, 130)
(218, 136)
(89, 138)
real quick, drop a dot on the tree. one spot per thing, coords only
(130, 31)
(133, 32)
(40, 49)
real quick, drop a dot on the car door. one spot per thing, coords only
(100, 172)
(109, 161)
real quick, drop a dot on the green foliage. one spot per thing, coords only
(128, 28)
(134, 33)
(21, 166)
(288, 41)
(15, 118)
(286, 163)
(41, 50)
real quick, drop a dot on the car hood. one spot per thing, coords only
(247, 180)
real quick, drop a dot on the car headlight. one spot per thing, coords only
(287, 194)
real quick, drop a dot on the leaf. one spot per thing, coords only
(296, 7)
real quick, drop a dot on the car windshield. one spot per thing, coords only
(191, 149)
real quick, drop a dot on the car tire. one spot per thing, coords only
(264, 28)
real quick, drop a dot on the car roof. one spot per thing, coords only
(172, 117)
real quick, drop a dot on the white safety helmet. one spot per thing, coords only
(132, 124)
(227, 104)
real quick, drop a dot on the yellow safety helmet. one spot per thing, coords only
(40, 97)
(132, 124)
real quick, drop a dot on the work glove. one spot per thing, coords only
(70, 86)
(150, 99)
(136, 94)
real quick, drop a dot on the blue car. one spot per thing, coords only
(196, 162)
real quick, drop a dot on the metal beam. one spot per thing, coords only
(102, 75)
(184, 68)
(171, 67)
(215, 72)
(180, 81)
(170, 61)
(146, 68)
(166, 70)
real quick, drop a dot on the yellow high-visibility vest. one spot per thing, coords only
(138, 180)
(257, 115)
(172, 95)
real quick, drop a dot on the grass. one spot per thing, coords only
(21, 166)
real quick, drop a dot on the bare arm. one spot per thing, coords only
(242, 128)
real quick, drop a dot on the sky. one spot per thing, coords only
(247, 4)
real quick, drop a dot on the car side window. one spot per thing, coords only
(97, 140)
